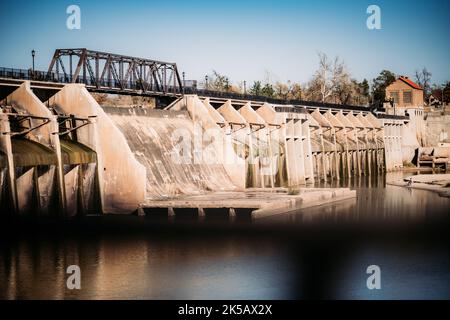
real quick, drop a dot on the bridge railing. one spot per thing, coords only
(392, 116)
(297, 102)
(11, 73)
(29, 74)
(24, 74)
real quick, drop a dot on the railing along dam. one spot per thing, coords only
(70, 156)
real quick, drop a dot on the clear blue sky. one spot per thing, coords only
(238, 38)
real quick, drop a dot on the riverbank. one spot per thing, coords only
(439, 183)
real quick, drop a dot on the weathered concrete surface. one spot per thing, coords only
(437, 128)
(163, 141)
(346, 145)
(439, 183)
(24, 102)
(250, 135)
(258, 148)
(8, 188)
(392, 133)
(276, 148)
(413, 134)
(328, 152)
(219, 133)
(378, 139)
(121, 176)
(297, 147)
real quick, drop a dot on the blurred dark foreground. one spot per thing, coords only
(320, 253)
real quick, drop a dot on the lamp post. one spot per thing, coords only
(245, 87)
(33, 53)
(184, 81)
(206, 82)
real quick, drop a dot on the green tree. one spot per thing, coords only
(447, 92)
(256, 88)
(268, 90)
(364, 87)
(379, 84)
(438, 90)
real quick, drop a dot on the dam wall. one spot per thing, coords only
(49, 173)
(414, 134)
(69, 156)
(215, 134)
(164, 143)
(121, 177)
(437, 128)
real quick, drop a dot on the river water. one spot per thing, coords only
(320, 252)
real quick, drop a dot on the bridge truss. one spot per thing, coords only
(107, 71)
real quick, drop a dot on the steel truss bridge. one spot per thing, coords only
(106, 72)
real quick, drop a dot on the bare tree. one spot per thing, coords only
(281, 90)
(423, 78)
(324, 80)
(329, 80)
(218, 82)
(341, 83)
(288, 90)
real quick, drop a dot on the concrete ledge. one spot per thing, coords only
(307, 200)
(256, 204)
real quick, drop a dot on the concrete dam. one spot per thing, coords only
(69, 156)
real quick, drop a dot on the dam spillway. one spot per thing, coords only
(151, 135)
(69, 156)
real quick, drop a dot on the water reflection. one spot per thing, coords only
(139, 267)
(376, 201)
(267, 263)
(37, 266)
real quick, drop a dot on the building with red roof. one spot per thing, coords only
(405, 93)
